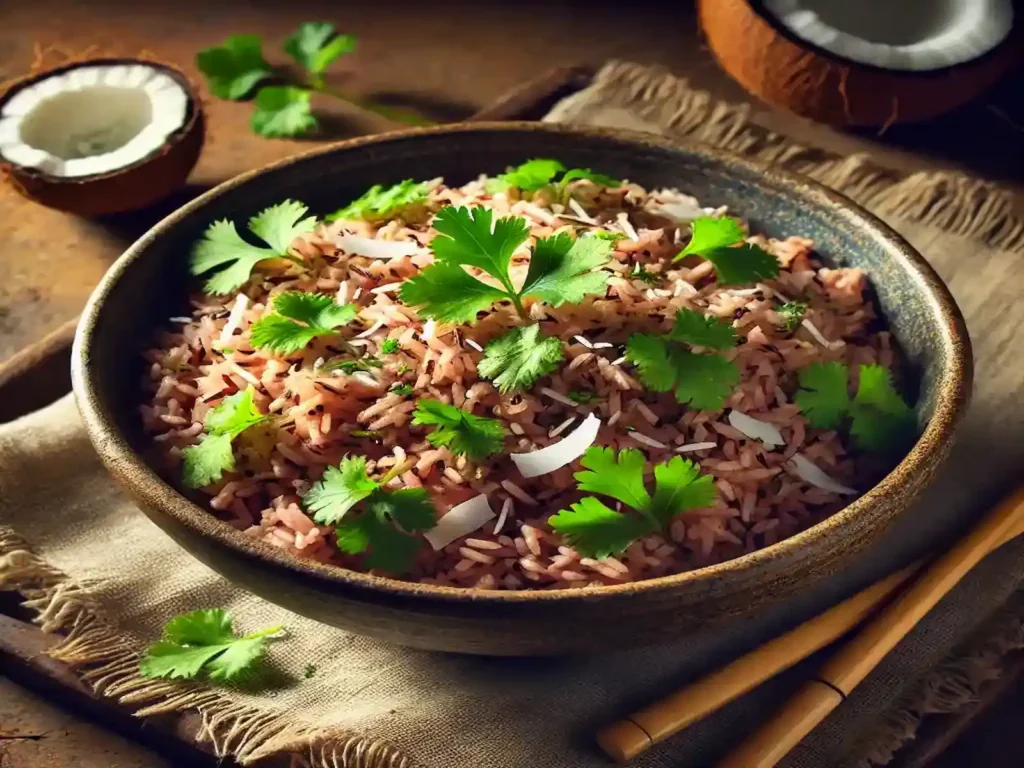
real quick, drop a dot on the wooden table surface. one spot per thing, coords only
(448, 59)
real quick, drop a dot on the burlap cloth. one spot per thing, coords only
(95, 568)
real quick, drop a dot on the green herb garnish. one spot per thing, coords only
(639, 272)
(282, 111)
(463, 433)
(204, 642)
(315, 46)
(702, 380)
(596, 530)
(582, 396)
(401, 389)
(879, 419)
(222, 246)
(389, 346)
(517, 358)
(541, 172)
(368, 516)
(206, 462)
(720, 241)
(297, 319)
(380, 202)
(349, 366)
(309, 671)
(235, 67)
(792, 314)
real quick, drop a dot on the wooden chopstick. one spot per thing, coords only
(641, 730)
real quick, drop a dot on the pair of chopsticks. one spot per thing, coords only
(839, 676)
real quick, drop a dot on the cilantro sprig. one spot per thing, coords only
(206, 462)
(720, 241)
(879, 419)
(234, 68)
(379, 202)
(792, 314)
(204, 643)
(517, 358)
(463, 433)
(541, 172)
(297, 319)
(369, 517)
(701, 379)
(596, 530)
(561, 268)
(222, 246)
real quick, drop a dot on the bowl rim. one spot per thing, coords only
(129, 468)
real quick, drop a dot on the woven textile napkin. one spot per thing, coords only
(94, 567)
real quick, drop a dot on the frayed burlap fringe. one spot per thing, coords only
(651, 98)
(108, 661)
(950, 687)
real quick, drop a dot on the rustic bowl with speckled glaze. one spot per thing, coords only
(150, 281)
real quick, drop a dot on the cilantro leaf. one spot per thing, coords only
(823, 396)
(283, 110)
(595, 530)
(470, 237)
(652, 356)
(529, 177)
(204, 641)
(598, 531)
(401, 389)
(315, 45)
(703, 330)
(703, 381)
(206, 462)
(582, 396)
(792, 314)
(742, 264)
(600, 179)
(463, 433)
(720, 241)
(341, 488)
(516, 359)
(882, 421)
(281, 330)
(679, 486)
(604, 234)
(448, 293)
(389, 346)
(221, 245)
(233, 68)
(561, 269)
(381, 203)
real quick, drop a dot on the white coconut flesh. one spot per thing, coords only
(91, 119)
(910, 35)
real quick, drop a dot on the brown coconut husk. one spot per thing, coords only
(785, 72)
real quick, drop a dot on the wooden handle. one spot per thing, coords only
(634, 734)
(862, 653)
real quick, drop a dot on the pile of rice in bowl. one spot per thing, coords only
(546, 379)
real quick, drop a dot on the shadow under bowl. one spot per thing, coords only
(150, 281)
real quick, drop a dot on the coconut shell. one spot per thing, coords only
(130, 187)
(774, 65)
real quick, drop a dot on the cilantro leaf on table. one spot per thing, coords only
(222, 246)
(235, 67)
(383, 524)
(596, 530)
(720, 241)
(463, 433)
(448, 293)
(315, 45)
(792, 314)
(702, 380)
(380, 202)
(516, 359)
(561, 269)
(204, 641)
(206, 462)
(880, 420)
(701, 330)
(283, 330)
(823, 396)
(283, 110)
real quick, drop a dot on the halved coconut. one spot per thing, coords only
(872, 62)
(100, 136)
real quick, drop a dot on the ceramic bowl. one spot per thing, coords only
(149, 283)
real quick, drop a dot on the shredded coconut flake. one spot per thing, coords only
(691, 447)
(341, 297)
(460, 520)
(584, 341)
(505, 509)
(627, 227)
(474, 345)
(580, 211)
(557, 455)
(643, 439)
(809, 472)
(372, 248)
(558, 396)
(755, 429)
(179, 319)
(813, 330)
(389, 288)
(428, 330)
(603, 345)
(372, 329)
(234, 319)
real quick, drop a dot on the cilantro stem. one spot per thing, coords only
(294, 260)
(265, 632)
(517, 303)
(395, 471)
(317, 83)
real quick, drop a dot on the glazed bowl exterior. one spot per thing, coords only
(149, 283)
